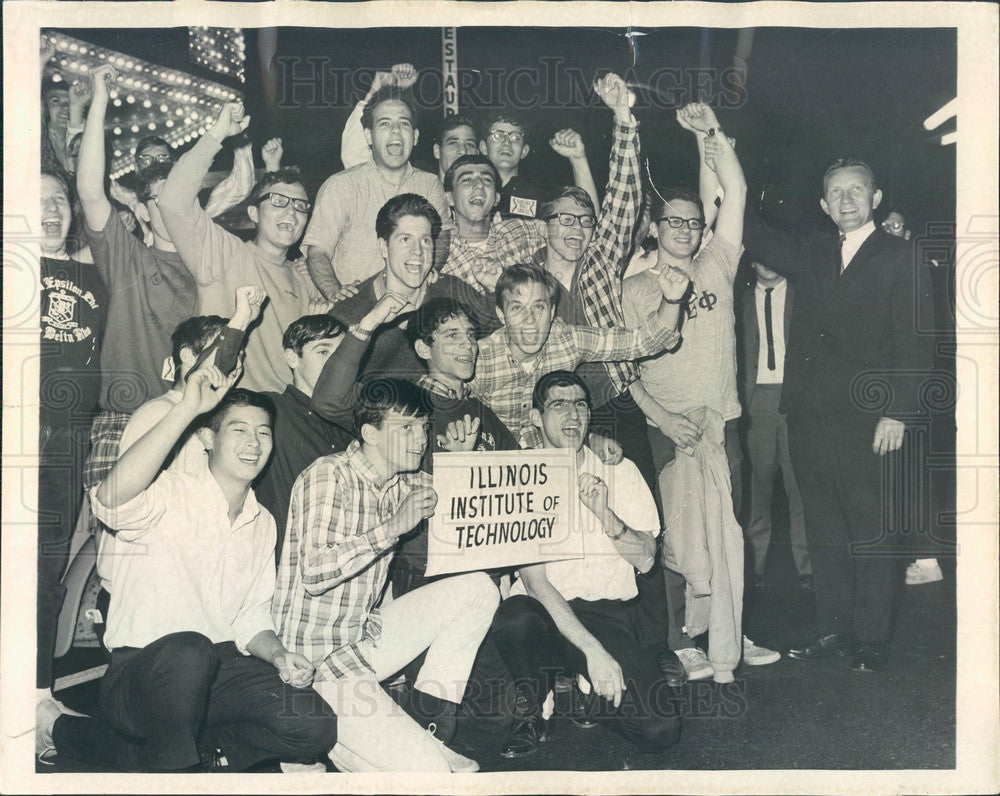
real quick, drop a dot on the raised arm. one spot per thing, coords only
(236, 186)
(569, 144)
(720, 156)
(699, 118)
(141, 463)
(91, 163)
(603, 671)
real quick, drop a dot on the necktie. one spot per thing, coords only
(768, 328)
(840, 251)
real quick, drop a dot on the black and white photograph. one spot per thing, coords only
(571, 397)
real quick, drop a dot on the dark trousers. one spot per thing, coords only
(182, 695)
(767, 450)
(533, 648)
(622, 420)
(62, 451)
(851, 551)
(664, 451)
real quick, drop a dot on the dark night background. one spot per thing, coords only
(811, 95)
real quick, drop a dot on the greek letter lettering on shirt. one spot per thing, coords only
(706, 300)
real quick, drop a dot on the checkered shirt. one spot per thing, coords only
(505, 385)
(510, 242)
(335, 560)
(598, 281)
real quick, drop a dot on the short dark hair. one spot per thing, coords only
(578, 195)
(384, 94)
(674, 193)
(509, 118)
(309, 328)
(557, 378)
(58, 178)
(148, 177)
(430, 315)
(523, 274)
(290, 175)
(240, 397)
(452, 122)
(406, 204)
(471, 160)
(148, 142)
(195, 333)
(378, 397)
(848, 163)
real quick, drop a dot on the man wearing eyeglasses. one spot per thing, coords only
(702, 371)
(221, 262)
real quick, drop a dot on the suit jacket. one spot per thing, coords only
(749, 334)
(853, 351)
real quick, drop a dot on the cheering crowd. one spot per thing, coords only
(251, 430)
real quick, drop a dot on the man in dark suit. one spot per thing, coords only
(852, 372)
(764, 317)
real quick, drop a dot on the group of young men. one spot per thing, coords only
(263, 546)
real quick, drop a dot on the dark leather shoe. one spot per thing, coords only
(582, 709)
(524, 736)
(673, 670)
(821, 647)
(870, 658)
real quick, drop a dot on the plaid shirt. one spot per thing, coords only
(510, 241)
(335, 560)
(505, 385)
(597, 284)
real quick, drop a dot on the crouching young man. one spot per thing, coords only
(198, 679)
(573, 613)
(347, 512)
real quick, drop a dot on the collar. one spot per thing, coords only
(438, 387)
(778, 288)
(299, 397)
(381, 178)
(260, 254)
(856, 237)
(363, 465)
(249, 510)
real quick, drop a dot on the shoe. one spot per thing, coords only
(870, 658)
(918, 574)
(758, 656)
(303, 768)
(821, 646)
(524, 736)
(673, 670)
(47, 710)
(459, 764)
(580, 713)
(74, 738)
(348, 762)
(724, 676)
(695, 663)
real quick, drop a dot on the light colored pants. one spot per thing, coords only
(449, 619)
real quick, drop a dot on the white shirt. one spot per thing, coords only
(776, 376)
(852, 242)
(602, 574)
(178, 564)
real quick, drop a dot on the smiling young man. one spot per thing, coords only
(406, 227)
(341, 244)
(221, 262)
(348, 511)
(573, 612)
(534, 341)
(198, 679)
(301, 436)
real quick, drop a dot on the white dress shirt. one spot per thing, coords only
(778, 293)
(852, 242)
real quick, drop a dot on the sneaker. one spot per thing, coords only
(348, 762)
(695, 663)
(724, 676)
(918, 574)
(302, 768)
(459, 764)
(47, 710)
(758, 656)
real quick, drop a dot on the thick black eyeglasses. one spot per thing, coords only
(280, 200)
(676, 222)
(567, 219)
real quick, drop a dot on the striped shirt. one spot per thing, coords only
(510, 241)
(335, 560)
(505, 385)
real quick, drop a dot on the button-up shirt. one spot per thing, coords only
(853, 241)
(778, 292)
(335, 560)
(178, 563)
(509, 242)
(505, 384)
